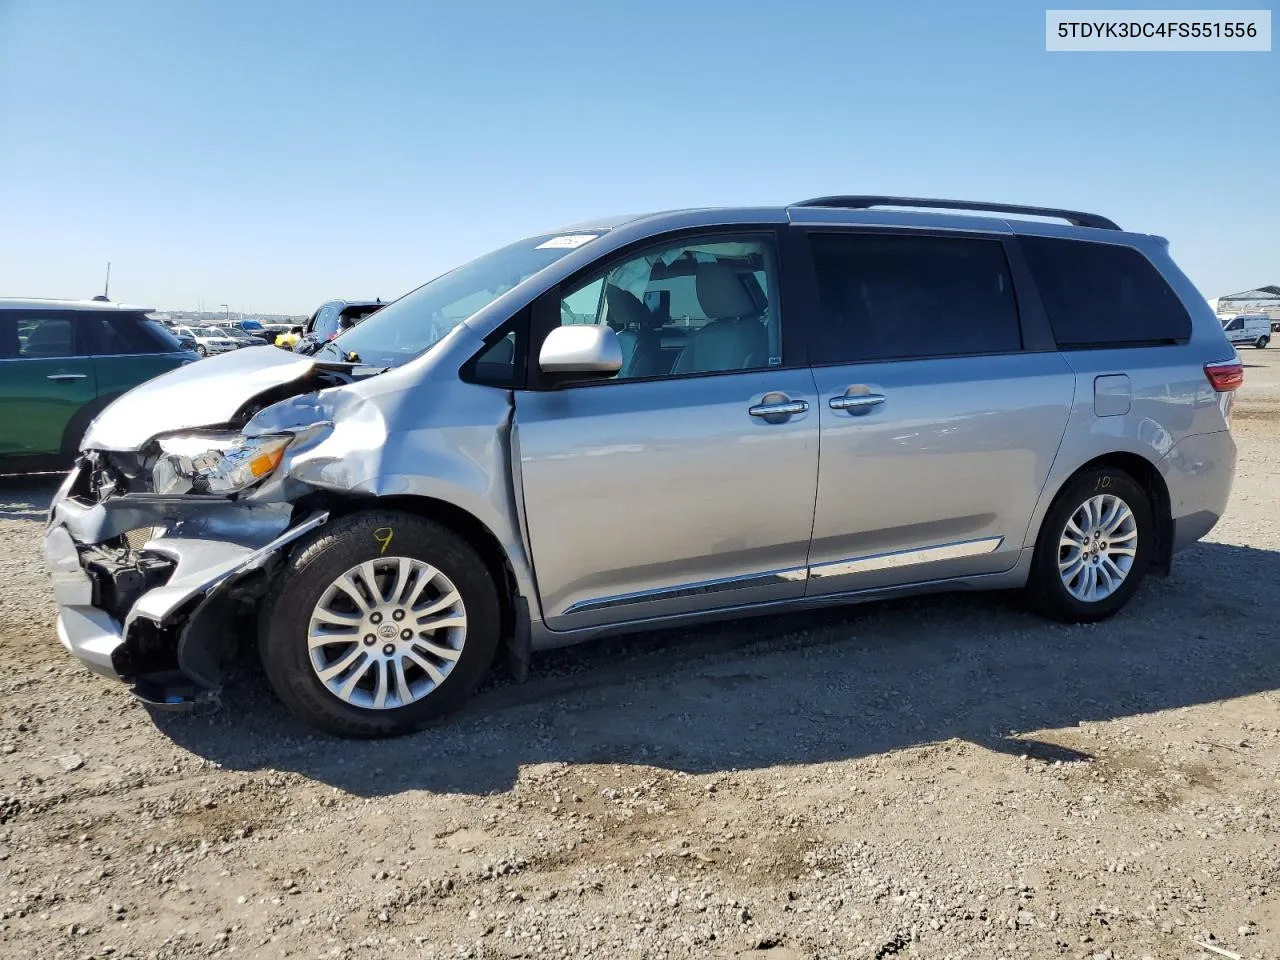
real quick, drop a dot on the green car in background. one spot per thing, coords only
(61, 363)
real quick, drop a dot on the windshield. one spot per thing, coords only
(162, 333)
(417, 321)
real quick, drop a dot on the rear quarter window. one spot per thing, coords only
(1103, 295)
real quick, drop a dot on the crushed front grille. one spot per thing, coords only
(137, 537)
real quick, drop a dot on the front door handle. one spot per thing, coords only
(784, 408)
(66, 376)
(856, 401)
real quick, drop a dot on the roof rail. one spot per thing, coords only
(1074, 217)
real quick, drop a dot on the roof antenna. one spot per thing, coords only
(106, 287)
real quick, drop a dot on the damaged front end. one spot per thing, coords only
(161, 555)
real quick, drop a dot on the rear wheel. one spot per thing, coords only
(1262, 342)
(1093, 549)
(202, 350)
(383, 622)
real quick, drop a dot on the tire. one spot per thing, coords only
(1262, 342)
(1047, 592)
(202, 349)
(385, 539)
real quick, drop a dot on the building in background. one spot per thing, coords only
(1260, 300)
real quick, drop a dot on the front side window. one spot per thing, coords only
(887, 297)
(697, 306)
(106, 338)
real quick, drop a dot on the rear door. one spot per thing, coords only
(46, 376)
(685, 483)
(942, 406)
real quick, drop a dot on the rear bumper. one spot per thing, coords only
(1199, 472)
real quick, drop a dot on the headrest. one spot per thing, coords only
(721, 294)
(49, 339)
(626, 309)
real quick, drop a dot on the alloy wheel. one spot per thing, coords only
(387, 632)
(1097, 548)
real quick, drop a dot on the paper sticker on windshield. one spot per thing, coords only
(568, 242)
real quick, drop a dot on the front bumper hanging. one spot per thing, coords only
(153, 619)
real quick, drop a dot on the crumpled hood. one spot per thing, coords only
(199, 394)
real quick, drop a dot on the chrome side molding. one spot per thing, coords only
(701, 588)
(907, 558)
(837, 568)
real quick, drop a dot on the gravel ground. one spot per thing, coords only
(944, 777)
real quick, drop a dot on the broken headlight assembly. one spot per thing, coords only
(219, 463)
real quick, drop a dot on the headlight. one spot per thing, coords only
(215, 463)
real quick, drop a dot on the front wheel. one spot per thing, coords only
(383, 621)
(202, 350)
(1093, 549)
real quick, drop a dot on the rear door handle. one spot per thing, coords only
(783, 408)
(856, 401)
(66, 376)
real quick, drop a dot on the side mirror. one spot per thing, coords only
(583, 351)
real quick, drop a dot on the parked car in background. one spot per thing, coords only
(255, 329)
(331, 319)
(209, 340)
(1248, 328)
(241, 338)
(61, 363)
(618, 425)
(289, 338)
(185, 340)
(272, 330)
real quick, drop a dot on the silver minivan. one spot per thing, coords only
(654, 420)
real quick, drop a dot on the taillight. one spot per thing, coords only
(1225, 375)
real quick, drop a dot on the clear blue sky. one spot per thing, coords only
(274, 154)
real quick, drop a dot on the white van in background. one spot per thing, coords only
(1254, 328)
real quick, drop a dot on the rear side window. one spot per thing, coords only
(352, 315)
(327, 321)
(906, 297)
(39, 335)
(1103, 295)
